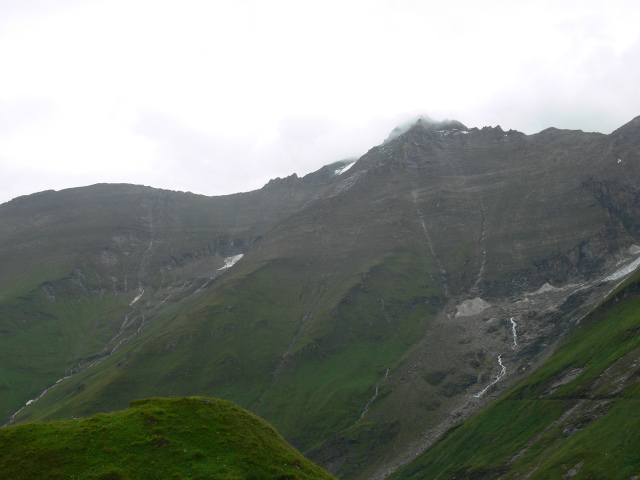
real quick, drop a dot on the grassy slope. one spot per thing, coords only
(367, 296)
(192, 437)
(330, 380)
(230, 342)
(41, 340)
(526, 431)
(91, 246)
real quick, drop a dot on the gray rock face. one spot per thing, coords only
(471, 307)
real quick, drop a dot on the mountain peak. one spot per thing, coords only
(629, 129)
(426, 123)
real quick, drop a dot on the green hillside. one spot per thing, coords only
(192, 437)
(230, 342)
(577, 417)
(362, 314)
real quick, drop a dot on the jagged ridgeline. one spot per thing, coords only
(192, 437)
(363, 309)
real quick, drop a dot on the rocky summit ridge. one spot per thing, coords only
(363, 311)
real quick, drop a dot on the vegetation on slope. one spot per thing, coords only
(192, 437)
(231, 343)
(74, 261)
(42, 340)
(338, 324)
(577, 416)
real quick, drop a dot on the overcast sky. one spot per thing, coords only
(217, 96)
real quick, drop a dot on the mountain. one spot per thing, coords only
(576, 417)
(193, 437)
(363, 310)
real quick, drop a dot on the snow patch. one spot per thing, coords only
(137, 298)
(547, 287)
(231, 261)
(341, 170)
(453, 131)
(634, 249)
(471, 307)
(624, 271)
(513, 331)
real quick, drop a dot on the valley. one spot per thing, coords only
(376, 312)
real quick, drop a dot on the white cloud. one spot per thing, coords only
(216, 97)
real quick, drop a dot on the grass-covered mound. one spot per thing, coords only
(191, 437)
